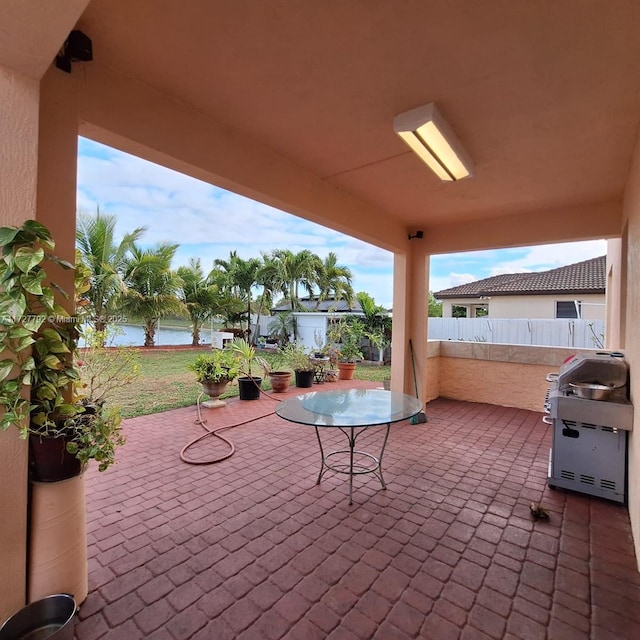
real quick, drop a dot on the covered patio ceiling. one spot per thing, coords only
(544, 96)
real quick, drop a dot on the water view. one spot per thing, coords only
(128, 335)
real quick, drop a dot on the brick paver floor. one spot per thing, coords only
(252, 548)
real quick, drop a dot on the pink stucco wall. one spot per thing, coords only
(19, 135)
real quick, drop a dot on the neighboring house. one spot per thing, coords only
(323, 306)
(574, 291)
(314, 318)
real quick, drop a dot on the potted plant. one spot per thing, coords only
(279, 375)
(320, 350)
(248, 385)
(40, 337)
(214, 371)
(297, 358)
(349, 335)
(280, 380)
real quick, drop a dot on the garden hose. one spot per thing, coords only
(216, 434)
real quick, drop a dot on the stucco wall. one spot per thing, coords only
(613, 326)
(631, 292)
(531, 307)
(544, 306)
(19, 136)
(501, 383)
(500, 374)
(432, 371)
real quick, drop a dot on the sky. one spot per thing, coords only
(208, 222)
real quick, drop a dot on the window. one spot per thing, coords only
(569, 309)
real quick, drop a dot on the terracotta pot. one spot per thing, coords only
(214, 389)
(346, 370)
(280, 381)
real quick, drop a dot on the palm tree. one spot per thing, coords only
(152, 287)
(282, 326)
(295, 270)
(198, 295)
(268, 278)
(227, 304)
(105, 259)
(334, 280)
(377, 322)
(242, 276)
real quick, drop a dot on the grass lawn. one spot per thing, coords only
(165, 383)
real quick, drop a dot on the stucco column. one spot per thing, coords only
(410, 311)
(630, 306)
(19, 161)
(615, 300)
(58, 545)
(57, 170)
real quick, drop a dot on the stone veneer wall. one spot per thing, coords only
(501, 374)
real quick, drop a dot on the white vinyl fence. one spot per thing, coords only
(584, 334)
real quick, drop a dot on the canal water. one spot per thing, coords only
(127, 335)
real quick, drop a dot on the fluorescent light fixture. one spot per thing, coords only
(431, 138)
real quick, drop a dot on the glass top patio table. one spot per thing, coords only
(349, 408)
(353, 412)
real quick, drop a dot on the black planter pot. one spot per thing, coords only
(304, 379)
(249, 388)
(49, 460)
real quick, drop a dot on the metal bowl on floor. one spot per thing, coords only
(48, 619)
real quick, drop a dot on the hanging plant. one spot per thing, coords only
(38, 377)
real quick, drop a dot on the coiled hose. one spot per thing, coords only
(216, 434)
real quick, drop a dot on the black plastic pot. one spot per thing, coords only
(304, 379)
(249, 388)
(49, 460)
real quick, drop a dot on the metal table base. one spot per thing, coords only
(353, 467)
(353, 412)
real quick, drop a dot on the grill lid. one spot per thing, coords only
(609, 369)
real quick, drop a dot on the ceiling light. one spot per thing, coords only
(429, 136)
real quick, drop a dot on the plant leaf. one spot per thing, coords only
(24, 342)
(51, 362)
(65, 264)
(6, 366)
(7, 234)
(26, 258)
(32, 282)
(41, 232)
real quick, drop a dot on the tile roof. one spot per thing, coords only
(311, 304)
(588, 276)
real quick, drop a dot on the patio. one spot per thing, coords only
(252, 548)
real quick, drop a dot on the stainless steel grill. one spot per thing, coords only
(589, 437)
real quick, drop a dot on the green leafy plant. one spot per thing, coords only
(247, 356)
(296, 357)
(219, 365)
(36, 333)
(347, 334)
(95, 434)
(39, 380)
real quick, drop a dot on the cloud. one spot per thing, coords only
(209, 222)
(551, 256)
(446, 269)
